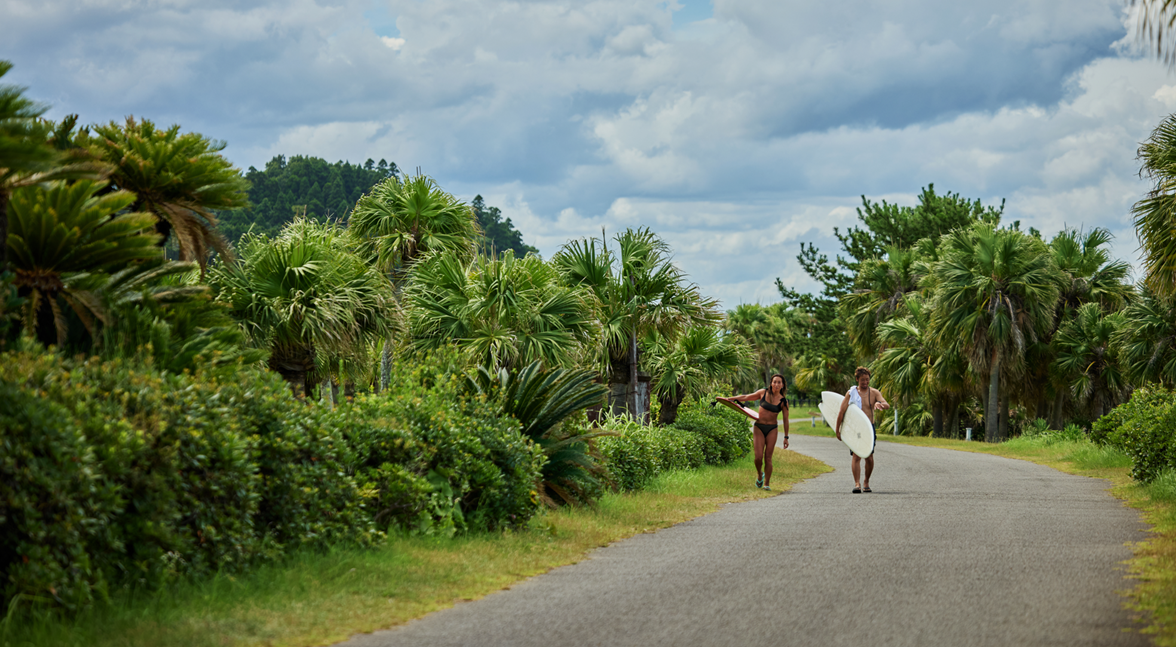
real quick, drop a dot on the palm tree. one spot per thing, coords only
(880, 288)
(1089, 274)
(1156, 20)
(27, 157)
(769, 330)
(821, 372)
(399, 221)
(181, 178)
(638, 290)
(1147, 340)
(306, 297)
(1089, 360)
(63, 239)
(688, 365)
(995, 292)
(1155, 214)
(502, 312)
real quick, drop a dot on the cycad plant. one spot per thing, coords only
(542, 400)
(27, 157)
(690, 364)
(501, 312)
(306, 298)
(180, 178)
(63, 240)
(769, 330)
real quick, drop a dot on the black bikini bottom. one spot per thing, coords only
(765, 429)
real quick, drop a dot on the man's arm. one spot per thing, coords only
(841, 415)
(879, 401)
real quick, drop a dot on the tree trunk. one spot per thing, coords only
(3, 229)
(937, 419)
(385, 365)
(1042, 408)
(955, 418)
(992, 402)
(669, 409)
(1004, 417)
(1059, 410)
(633, 375)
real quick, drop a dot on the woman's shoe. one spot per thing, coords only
(759, 482)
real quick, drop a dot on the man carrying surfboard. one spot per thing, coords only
(869, 400)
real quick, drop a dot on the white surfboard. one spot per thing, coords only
(856, 430)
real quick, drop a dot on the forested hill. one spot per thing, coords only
(325, 190)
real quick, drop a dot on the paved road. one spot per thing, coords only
(952, 548)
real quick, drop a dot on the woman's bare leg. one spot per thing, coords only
(769, 447)
(757, 441)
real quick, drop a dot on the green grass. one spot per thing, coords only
(319, 599)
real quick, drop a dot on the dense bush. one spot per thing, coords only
(180, 476)
(1145, 429)
(701, 435)
(431, 463)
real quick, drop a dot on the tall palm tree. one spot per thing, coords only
(306, 297)
(181, 178)
(27, 157)
(1088, 358)
(63, 239)
(638, 289)
(688, 365)
(399, 221)
(504, 312)
(995, 292)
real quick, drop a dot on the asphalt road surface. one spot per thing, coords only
(951, 548)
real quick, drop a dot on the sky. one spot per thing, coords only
(735, 129)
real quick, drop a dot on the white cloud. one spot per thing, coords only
(735, 137)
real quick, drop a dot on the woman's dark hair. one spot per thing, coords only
(783, 389)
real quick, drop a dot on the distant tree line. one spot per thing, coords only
(320, 191)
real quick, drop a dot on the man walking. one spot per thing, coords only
(869, 400)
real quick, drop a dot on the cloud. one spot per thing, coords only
(734, 129)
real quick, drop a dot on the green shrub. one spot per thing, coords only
(193, 476)
(701, 435)
(433, 463)
(1144, 428)
(53, 503)
(723, 432)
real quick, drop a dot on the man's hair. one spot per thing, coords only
(860, 370)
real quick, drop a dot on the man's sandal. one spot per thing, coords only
(867, 489)
(857, 490)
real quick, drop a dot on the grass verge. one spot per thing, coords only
(1153, 566)
(319, 599)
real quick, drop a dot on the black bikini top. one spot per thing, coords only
(774, 408)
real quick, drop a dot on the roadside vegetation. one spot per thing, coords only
(212, 381)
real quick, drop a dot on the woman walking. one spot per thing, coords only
(772, 401)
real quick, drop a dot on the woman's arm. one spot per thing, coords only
(745, 398)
